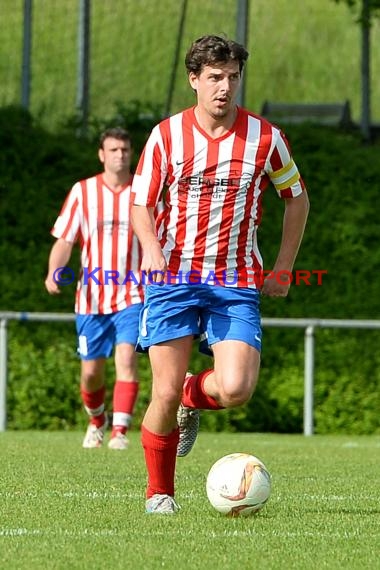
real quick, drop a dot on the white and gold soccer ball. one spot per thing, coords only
(238, 484)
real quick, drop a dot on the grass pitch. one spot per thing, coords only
(65, 507)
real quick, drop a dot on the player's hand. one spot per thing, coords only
(52, 286)
(276, 285)
(153, 263)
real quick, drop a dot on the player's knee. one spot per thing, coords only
(232, 399)
(91, 378)
(237, 394)
(169, 398)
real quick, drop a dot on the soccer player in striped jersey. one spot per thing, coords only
(214, 161)
(109, 296)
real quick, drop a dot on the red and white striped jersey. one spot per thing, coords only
(214, 192)
(99, 220)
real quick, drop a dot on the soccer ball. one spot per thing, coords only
(238, 484)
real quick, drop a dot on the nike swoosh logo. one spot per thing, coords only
(178, 163)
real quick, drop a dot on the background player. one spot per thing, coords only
(109, 297)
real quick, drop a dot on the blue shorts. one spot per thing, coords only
(98, 334)
(212, 312)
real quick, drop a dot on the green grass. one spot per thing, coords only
(65, 507)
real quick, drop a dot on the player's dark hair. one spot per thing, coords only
(117, 133)
(214, 50)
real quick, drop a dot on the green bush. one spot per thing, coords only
(43, 386)
(43, 382)
(347, 382)
(36, 171)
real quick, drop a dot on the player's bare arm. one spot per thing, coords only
(59, 257)
(295, 216)
(144, 227)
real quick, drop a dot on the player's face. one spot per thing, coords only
(216, 88)
(116, 155)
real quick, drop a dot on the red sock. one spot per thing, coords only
(194, 396)
(124, 399)
(160, 458)
(94, 405)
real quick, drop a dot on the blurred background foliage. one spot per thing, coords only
(38, 167)
(310, 53)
